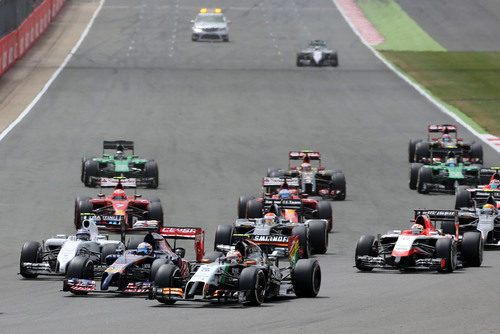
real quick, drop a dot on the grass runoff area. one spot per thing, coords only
(467, 82)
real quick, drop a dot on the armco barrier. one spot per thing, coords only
(14, 45)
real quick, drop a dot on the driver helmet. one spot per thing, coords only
(269, 219)
(446, 138)
(119, 155)
(144, 248)
(417, 229)
(451, 162)
(234, 256)
(306, 167)
(83, 234)
(119, 194)
(284, 193)
(488, 209)
(494, 184)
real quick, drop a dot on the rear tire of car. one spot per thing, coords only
(446, 250)
(477, 153)
(155, 212)
(134, 241)
(253, 283)
(108, 249)
(422, 151)
(339, 183)
(325, 212)
(81, 206)
(414, 168)
(463, 198)
(31, 253)
(166, 277)
(274, 172)
(449, 227)
(223, 235)
(304, 240)
(411, 149)
(365, 247)
(472, 249)
(318, 231)
(254, 209)
(299, 62)
(151, 171)
(306, 278)
(155, 266)
(335, 60)
(90, 170)
(84, 159)
(242, 206)
(424, 176)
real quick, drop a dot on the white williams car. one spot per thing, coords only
(317, 54)
(210, 25)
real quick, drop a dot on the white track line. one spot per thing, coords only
(483, 137)
(55, 75)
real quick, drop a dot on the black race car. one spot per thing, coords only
(317, 54)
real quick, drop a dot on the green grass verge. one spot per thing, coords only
(468, 81)
(401, 33)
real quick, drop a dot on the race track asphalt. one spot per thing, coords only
(458, 25)
(215, 116)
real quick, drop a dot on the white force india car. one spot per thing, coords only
(210, 25)
(52, 256)
(422, 247)
(317, 54)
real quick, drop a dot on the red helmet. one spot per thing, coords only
(269, 218)
(119, 194)
(306, 167)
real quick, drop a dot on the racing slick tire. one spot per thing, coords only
(84, 159)
(155, 266)
(242, 205)
(414, 168)
(424, 176)
(325, 212)
(449, 227)
(253, 283)
(167, 277)
(90, 169)
(463, 198)
(151, 170)
(223, 235)
(32, 253)
(366, 246)
(445, 249)
(421, 151)
(472, 249)
(134, 241)
(108, 249)
(318, 231)
(476, 151)
(212, 255)
(304, 240)
(155, 212)
(274, 172)
(254, 209)
(339, 183)
(306, 278)
(80, 267)
(81, 206)
(411, 149)
(299, 62)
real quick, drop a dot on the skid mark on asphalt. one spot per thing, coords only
(300, 21)
(173, 38)
(137, 29)
(274, 39)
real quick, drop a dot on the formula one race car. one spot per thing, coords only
(423, 246)
(420, 150)
(317, 54)
(133, 271)
(52, 256)
(443, 176)
(484, 218)
(314, 180)
(467, 197)
(240, 273)
(101, 171)
(118, 212)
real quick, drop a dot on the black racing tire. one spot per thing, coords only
(339, 183)
(422, 151)
(154, 199)
(155, 212)
(477, 153)
(223, 235)
(411, 149)
(325, 212)
(414, 168)
(81, 206)
(253, 283)
(32, 253)
(449, 227)
(151, 170)
(84, 159)
(472, 249)
(155, 266)
(299, 62)
(254, 209)
(108, 249)
(242, 205)
(306, 278)
(167, 277)
(274, 172)
(80, 267)
(446, 250)
(318, 232)
(366, 246)
(134, 241)
(335, 60)
(212, 255)
(304, 240)
(90, 169)
(225, 39)
(463, 198)
(424, 176)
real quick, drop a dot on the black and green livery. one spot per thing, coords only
(136, 171)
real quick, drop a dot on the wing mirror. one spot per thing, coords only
(180, 252)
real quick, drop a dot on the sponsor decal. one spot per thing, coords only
(270, 238)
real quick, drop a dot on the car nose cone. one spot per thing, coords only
(317, 56)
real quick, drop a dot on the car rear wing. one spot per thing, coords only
(437, 215)
(279, 181)
(484, 196)
(443, 128)
(300, 155)
(118, 144)
(487, 173)
(282, 203)
(195, 233)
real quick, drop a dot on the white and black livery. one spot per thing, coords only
(317, 54)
